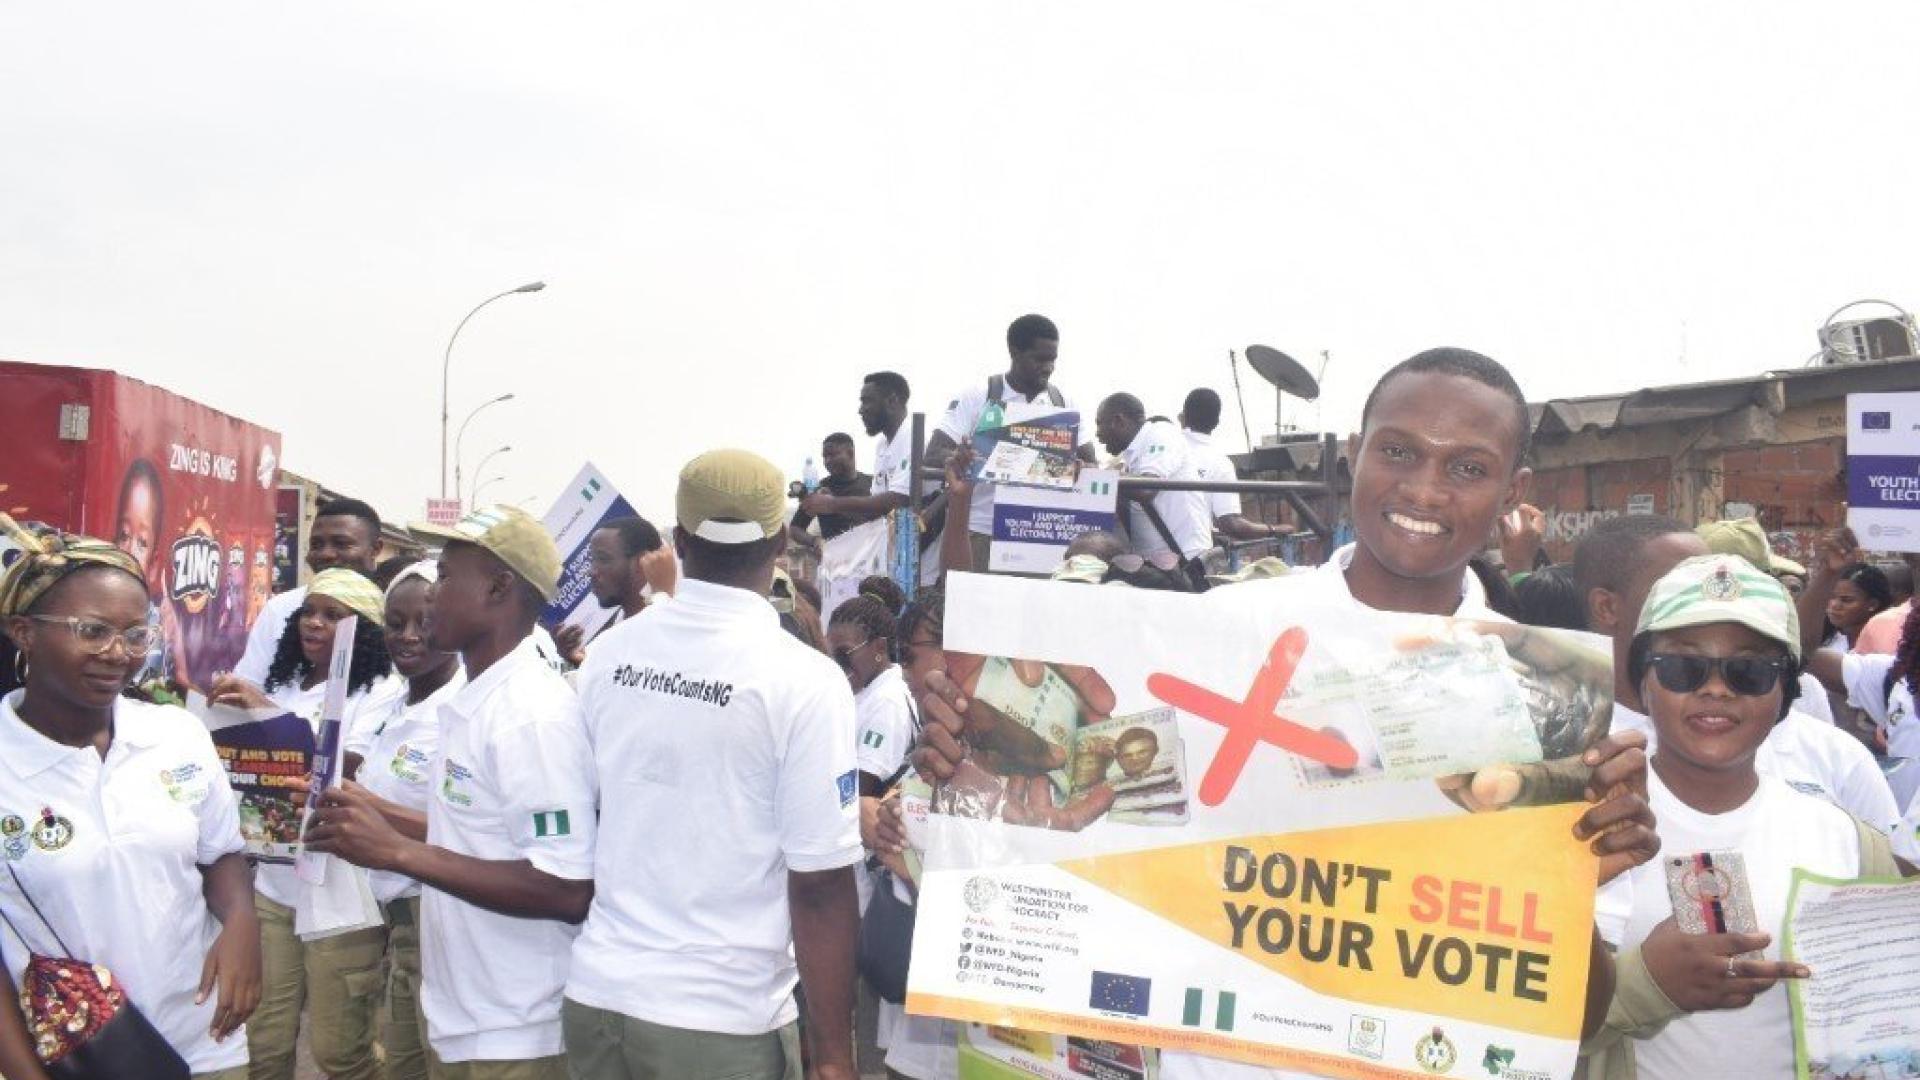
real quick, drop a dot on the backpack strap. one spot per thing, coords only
(997, 392)
(1190, 566)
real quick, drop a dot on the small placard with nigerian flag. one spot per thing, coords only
(548, 823)
(1033, 526)
(586, 504)
(1208, 1008)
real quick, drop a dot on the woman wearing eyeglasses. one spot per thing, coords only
(860, 639)
(116, 819)
(337, 977)
(1717, 658)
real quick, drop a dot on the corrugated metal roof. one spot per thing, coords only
(1561, 417)
(1772, 390)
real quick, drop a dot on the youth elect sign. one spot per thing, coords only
(587, 503)
(1238, 825)
(1883, 470)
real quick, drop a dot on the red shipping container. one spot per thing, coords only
(186, 489)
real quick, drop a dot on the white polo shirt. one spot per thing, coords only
(892, 460)
(514, 780)
(117, 866)
(264, 638)
(277, 881)
(963, 417)
(725, 750)
(1212, 463)
(1813, 757)
(886, 722)
(397, 765)
(1160, 450)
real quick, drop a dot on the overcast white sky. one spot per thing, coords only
(283, 210)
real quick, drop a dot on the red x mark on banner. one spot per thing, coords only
(1251, 720)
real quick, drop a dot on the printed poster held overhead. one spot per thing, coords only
(1032, 448)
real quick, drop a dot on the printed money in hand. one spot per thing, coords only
(1143, 759)
(1053, 730)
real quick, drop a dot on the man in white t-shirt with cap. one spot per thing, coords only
(729, 826)
(507, 856)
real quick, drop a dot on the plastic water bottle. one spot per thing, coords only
(810, 476)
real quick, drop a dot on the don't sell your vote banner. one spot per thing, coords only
(1266, 825)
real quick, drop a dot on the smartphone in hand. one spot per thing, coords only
(1711, 895)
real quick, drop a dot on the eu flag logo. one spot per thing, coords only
(1876, 421)
(1127, 994)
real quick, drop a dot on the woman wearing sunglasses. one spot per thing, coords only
(116, 819)
(1716, 657)
(860, 637)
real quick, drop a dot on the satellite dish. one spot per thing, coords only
(1283, 371)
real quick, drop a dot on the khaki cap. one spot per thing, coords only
(731, 497)
(1721, 588)
(1744, 537)
(510, 534)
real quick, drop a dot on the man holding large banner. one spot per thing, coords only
(1253, 842)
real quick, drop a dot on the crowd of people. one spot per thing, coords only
(643, 849)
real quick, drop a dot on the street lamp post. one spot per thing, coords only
(460, 437)
(481, 468)
(446, 366)
(482, 486)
